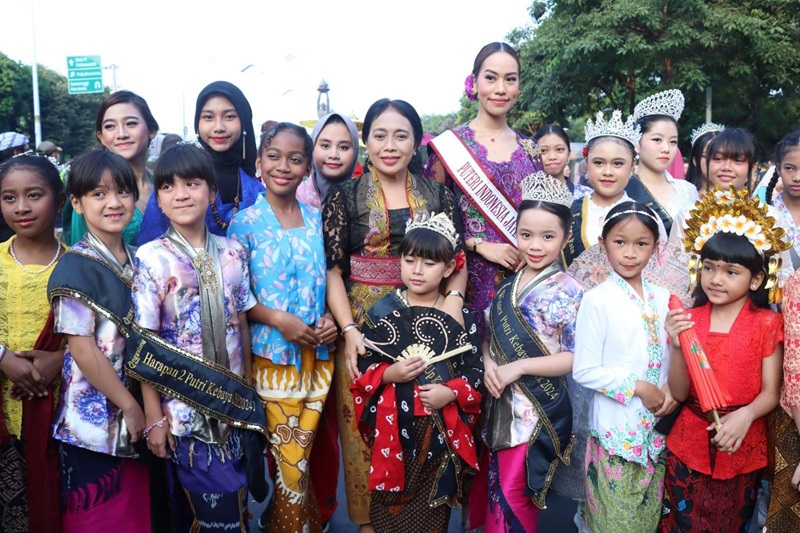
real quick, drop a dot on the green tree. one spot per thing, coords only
(582, 56)
(435, 124)
(67, 120)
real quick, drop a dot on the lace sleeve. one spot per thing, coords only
(336, 231)
(450, 207)
(434, 169)
(790, 394)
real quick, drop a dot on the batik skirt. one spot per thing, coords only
(698, 502)
(294, 403)
(621, 496)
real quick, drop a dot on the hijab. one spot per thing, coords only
(227, 163)
(321, 183)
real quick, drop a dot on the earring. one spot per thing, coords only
(244, 144)
(258, 173)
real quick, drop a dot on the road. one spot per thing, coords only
(557, 517)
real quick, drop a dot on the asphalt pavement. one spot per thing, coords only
(557, 517)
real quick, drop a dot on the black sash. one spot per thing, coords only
(639, 193)
(209, 388)
(514, 339)
(575, 246)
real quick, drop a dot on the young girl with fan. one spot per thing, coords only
(418, 414)
(713, 472)
(626, 367)
(532, 324)
(610, 154)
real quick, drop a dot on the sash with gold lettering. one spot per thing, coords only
(639, 193)
(477, 184)
(207, 387)
(512, 339)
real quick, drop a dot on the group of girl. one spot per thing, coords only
(262, 267)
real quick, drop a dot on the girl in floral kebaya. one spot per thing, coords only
(621, 353)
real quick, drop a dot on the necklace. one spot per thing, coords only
(24, 268)
(492, 137)
(408, 300)
(224, 225)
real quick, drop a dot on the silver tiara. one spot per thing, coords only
(627, 130)
(647, 213)
(544, 188)
(708, 127)
(440, 223)
(668, 103)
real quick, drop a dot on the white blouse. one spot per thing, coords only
(611, 354)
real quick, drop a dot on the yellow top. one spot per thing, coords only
(23, 313)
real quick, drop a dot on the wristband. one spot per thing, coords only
(454, 293)
(2, 351)
(160, 424)
(348, 327)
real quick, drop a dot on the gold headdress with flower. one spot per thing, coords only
(732, 211)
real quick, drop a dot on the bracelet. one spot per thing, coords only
(2, 351)
(454, 293)
(160, 424)
(348, 327)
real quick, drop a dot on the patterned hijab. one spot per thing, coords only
(321, 183)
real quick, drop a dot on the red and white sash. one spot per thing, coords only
(479, 186)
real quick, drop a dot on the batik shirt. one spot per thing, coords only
(287, 272)
(166, 300)
(84, 416)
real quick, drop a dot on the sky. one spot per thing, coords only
(168, 50)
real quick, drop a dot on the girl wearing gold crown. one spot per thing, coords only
(418, 414)
(529, 351)
(714, 470)
(658, 116)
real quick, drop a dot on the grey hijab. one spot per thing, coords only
(321, 183)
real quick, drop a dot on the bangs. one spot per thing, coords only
(427, 244)
(185, 161)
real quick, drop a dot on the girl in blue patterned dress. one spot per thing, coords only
(291, 329)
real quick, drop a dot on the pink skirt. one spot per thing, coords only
(127, 511)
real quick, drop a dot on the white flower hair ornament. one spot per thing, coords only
(731, 211)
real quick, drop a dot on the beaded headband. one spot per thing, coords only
(630, 212)
(542, 187)
(732, 211)
(668, 103)
(708, 127)
(440, 223)
(627, 130)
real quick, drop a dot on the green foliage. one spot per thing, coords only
(582, 56)
(67, 120)
(436, 124)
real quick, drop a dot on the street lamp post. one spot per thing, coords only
(37, 119)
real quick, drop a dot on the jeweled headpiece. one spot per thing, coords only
(668, 103)
(627, 130)
(440, 223)
(732, 211)
(542, 187)
(708, 127)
